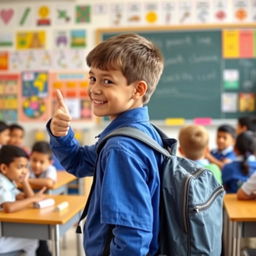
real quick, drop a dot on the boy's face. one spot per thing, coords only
(16, 137)
(4, 137)
(39, 162)
(110, 94)
(224, 140)
(17, 170)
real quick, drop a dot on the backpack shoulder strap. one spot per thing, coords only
(136, 134)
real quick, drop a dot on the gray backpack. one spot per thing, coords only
(191, 201)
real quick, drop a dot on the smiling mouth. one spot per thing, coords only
(99, 102)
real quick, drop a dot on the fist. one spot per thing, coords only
(60, 122)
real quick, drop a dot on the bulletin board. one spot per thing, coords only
(209, 71)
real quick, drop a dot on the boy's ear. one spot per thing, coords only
(141, 88)
(181, 151)
(3, 168)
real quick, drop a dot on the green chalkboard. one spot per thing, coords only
(192, 82)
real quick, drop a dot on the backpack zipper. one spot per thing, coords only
(198, 207)
(204, 206)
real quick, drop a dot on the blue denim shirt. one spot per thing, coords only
(127, 188)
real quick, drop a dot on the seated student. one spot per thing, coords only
(4, 133)
(14, 169)
(42, 172)
(237, 172)
(17, 134)
(246, 123)
(248, 189)
(194, 141)
(225, 140)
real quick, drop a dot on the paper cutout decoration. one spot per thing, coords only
(246, 43)
(6, 15)
(25, 16)
(44, 16)
(83, 14)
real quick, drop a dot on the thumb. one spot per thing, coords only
(60, 102)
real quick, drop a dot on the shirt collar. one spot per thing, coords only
(202, 162)
(250, 158)
(9, 184)
(226, 150)
(126, 118)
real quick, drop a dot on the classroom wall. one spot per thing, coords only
(58, 19)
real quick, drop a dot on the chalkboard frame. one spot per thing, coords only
(175, 28)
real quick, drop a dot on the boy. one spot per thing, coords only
(123, 215)
(14, 169)
(248, 189)
(42, 172)
(4, 133)
(246, 123)
(194, 141)
(226, 135)
(17, 134)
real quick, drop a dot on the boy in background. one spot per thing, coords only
(224, 153)
(123, 214)
(248, 190)
(194, 140)
(246, 123)
(4, 133)
(17, 134)
(14, 169)
(42, 172)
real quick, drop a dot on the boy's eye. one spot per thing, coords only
(92, 79)
(107, 81)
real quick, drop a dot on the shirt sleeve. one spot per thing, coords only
(51, 173)
(250, 185)
(126, 204)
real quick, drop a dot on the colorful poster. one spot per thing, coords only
(246, 44)
(247, 102)
(35, 102)
(30, 40)
(74, 87)
(185, 12)
(230, 44)
(229, 102)
(241, 10)
(61, 39)
(4, 61)
(254, 43)
(9, 93)
(231, 79)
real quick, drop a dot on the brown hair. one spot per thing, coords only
(193, 140)
(135, 56)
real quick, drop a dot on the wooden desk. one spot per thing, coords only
(61, 185)
(239, 221)
(45, 223)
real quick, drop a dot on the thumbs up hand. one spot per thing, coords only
(61, 118)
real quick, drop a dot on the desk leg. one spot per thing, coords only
(55, 235)
(79, 245)
(226, 234)
(237, 231)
